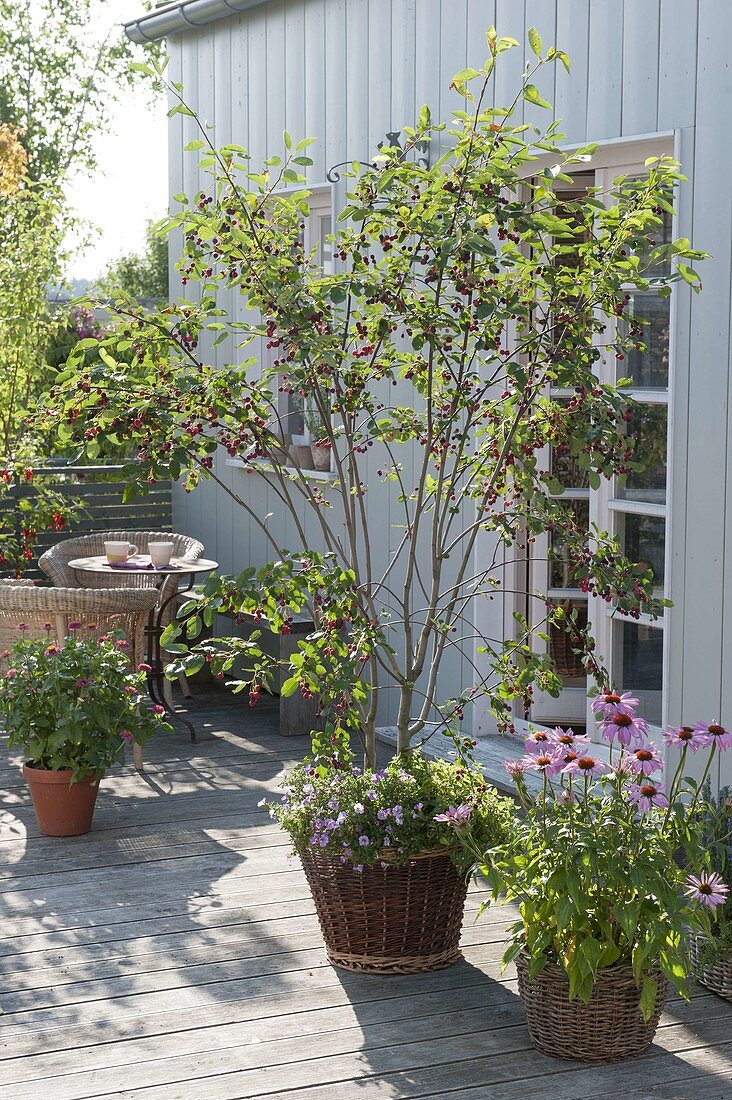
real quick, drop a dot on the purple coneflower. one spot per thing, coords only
(685, 737)
(644, 760)
(647, 795)
(52, 650)
(515, 768)
(584, 765)
(457, 817)
(610, 703)
(549, 760)
(537, 737)
(568, 738)
(708, 889)
(75, 625)
(625, 726)
(714, 734)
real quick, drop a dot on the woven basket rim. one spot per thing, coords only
(387, 855)
(614, 968)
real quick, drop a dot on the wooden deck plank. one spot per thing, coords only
(175, 948)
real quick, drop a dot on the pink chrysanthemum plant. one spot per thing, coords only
(593, 863)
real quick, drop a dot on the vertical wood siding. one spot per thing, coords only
(346, 72)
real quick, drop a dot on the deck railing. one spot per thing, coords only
(99, 490)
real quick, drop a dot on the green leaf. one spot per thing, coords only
(287, 139)
(531, 95)
(465, 75)
(191, 146)
(535, 41)
(290, 686)
(647, 1002)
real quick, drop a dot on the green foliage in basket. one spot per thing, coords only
(412, 805)
(717, 840)
(75, 705)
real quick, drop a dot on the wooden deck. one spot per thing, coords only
(173, 953)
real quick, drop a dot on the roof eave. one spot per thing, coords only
(184, 15)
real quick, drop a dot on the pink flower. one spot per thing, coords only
(157, 709)
(515, 768)
(546, 760)
(707, 889)
(457, 817)
(122, 644)
(684, 737)
(52, 650)
(715, 734)
(75, 625)
(568, 738)
(143, 667)
(622, 766)
(584, 765)
(11, 673)
(644, 760)
(22, 627)
(609, 703)
(625, 726)
(127, 735)
(537, 737)
(82, 683)
(647, 795)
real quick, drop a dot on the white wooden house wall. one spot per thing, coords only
(348, 71)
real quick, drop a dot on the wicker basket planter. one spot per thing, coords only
(609, 1028)
(716, 976)
(397, 920)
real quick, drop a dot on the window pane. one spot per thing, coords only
(647, 482)
(562, 572)
(643, 540)
(642, 666)
(561, 645)
(326, 246)
(648, 365)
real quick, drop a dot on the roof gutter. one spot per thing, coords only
(185, 15)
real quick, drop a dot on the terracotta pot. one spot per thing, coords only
(62, 808)
(388, 920)
(301, 457)
(321, 457)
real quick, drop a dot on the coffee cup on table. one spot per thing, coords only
(118, 552)
(160, 553)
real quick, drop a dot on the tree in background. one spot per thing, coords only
(59, 79)
(141, 276)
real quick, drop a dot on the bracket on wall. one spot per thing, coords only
(392, 141)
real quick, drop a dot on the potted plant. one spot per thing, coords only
(72, 709)
(400, 831)
(605, 904)
(712, 956)
(319, 441)
(465, 293)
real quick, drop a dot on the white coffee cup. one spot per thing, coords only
(118, 552)
(160, 553)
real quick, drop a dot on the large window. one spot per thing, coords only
(633, 508)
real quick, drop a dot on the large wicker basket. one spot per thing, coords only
(393, 920)
(609, 1028)
(716, 976)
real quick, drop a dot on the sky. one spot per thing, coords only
(131, 183)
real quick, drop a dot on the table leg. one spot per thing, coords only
(156, 678)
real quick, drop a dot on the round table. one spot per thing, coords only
(139, 565)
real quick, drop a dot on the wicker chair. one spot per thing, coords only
(55, 563)
(46, 613)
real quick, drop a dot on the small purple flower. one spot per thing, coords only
(82, 683)
(364, 841)
(419, 805)
(381, 815)
(645, 760)
(684, 737)
(359, 808)
(372, 796)
(333, 804)
(457, 817)
(625, 726)
(75, 625)
(609, 703)
(646, 795)
(715, 734)
(707, 889)
(358, 867)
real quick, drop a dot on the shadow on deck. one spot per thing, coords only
(177, 945)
